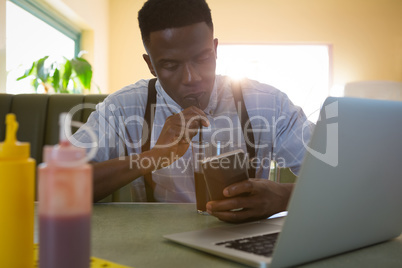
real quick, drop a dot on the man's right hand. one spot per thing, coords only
(177, 133)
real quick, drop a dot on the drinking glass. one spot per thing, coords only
(202, 150)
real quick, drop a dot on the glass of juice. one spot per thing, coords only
(202, 150)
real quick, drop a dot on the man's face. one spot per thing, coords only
(184, 60)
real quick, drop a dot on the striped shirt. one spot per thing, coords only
(280, 129)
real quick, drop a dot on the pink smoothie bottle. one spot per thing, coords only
(65, 205)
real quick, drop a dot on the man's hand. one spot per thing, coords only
(177, 133)
(257, 199)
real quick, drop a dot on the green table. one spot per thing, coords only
(131, 234)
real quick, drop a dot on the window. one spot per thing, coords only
(300, 71)
(32, 32)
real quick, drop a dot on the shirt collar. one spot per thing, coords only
(166, 99)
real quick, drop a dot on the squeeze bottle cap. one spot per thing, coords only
(65, 154)
(11, 148)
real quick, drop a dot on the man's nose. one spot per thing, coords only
(190, 74)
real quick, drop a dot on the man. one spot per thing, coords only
(181, 54)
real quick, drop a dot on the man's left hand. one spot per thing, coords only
(249, 200)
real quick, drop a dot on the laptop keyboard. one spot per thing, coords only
(260, 245)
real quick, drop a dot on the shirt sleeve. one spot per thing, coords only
(117, 123)
(108, 131)
(292, 133)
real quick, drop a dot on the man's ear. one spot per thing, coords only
(149, 63)
(216, 47)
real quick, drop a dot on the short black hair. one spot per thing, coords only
(158, 15)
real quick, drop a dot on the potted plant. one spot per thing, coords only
(65, 76)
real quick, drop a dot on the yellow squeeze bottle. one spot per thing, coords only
(17, 187)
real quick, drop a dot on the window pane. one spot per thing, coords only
(28, 39)
(301, 71)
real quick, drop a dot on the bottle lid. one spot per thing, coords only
(11, 148)
(65, 154)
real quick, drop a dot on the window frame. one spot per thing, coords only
(50, 17)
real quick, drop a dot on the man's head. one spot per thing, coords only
(157, 15)
(178, 37)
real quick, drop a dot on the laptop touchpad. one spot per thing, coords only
(259, 227)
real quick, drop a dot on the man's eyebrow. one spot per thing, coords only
(168, 60)
(162, 61)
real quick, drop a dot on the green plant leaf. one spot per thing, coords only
(35, 84)
(63, 90)
(66, 74)
(83, 71)
(76, 88)
(56, 80)
(70, 76)
(42, 72)
(28, 72)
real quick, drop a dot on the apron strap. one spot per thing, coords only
(146, 133)
(245, 125)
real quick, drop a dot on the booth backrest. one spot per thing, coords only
(38, 116)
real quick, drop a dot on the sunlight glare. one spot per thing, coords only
(300, 71)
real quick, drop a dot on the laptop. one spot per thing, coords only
(348, 194)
